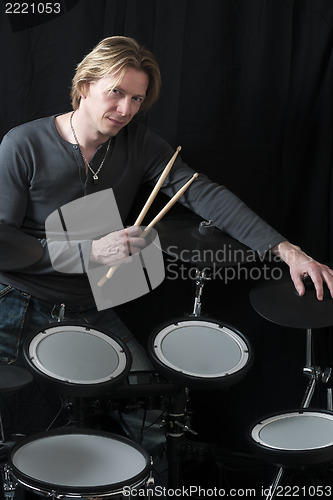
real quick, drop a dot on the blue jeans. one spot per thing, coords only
(32, 408)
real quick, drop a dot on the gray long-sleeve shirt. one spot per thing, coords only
(40, 172)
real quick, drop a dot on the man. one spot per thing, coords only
(50, 162)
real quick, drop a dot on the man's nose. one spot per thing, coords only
(124, 106)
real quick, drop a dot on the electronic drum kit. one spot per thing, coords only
(191, 352)
(301, 437)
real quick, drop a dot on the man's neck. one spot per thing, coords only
(72, 127)
(86, 135)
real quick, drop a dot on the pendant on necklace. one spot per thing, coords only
(95, 179)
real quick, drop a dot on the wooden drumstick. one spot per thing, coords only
(156, 188)
(168, 205)
(150, 226)
(146, 207)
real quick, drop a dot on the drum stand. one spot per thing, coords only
(178, 420)
(12, 378)
(211, 371)
(200, 280)
(176, 426)
(316, 375)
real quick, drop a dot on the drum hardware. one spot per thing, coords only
(315, 373)
(58, 313)
(326, 375)
(198, 242)
(329, 399)
(200, 279)
(142, 389)
(9, 486)
(195, 352)
(299, 438)
(87, 412)
(185, 428)
(176, 428)
(206, 228)
(78, 412)
(176, 425)
(179, 448)
(12, 378)
(143, 384)
(150, 483)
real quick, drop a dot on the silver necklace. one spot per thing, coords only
(95, 174)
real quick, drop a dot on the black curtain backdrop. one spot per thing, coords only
(247, 93)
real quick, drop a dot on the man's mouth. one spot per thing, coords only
(116, 122)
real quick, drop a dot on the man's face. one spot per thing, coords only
(107, 108)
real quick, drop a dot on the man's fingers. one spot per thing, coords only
(298, 283)
(318, 284)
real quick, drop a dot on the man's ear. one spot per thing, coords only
(83, 89)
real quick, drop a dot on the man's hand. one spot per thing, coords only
(117, 246)
(301, 265)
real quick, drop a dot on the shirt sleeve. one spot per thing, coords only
(210, 200)
(16, 173)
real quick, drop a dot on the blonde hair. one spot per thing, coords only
(114, 55)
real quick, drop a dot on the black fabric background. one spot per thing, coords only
(247, 93)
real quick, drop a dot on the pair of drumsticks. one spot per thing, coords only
(147, 205)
